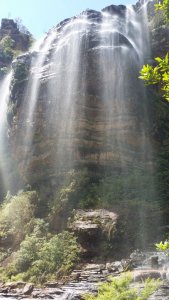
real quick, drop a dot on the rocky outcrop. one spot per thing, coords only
(14, 39)
(93, 222)
(93, 229)
(10, 28)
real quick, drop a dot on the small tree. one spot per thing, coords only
(159, 75)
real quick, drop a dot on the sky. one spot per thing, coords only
(41, 15)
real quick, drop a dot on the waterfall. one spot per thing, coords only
(65, 86)
(123, 49)
(121, 55)
(109, 47)
(82, 105)
(41, 49)
(4, 92)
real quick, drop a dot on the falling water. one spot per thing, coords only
(40, 50)
(121, 55)
(4, 92)
(59, 82)
(123, 50)
(57, 78)
(64, 89)
(84, 104)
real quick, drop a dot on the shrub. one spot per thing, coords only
(6, 47)
(120, 289)
(27, 253)
(40, 257)
(16, 213)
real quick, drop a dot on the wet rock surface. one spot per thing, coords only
(80, 282)
(86, 278)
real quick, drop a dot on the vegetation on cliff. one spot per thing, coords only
(164, 6)
(14, 40)
(34, 242)
(29, 250)
(159, 74)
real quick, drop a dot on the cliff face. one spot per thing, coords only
(159, 31)
(98, 136)
(19, 40)
(10, 28)
(82, 128)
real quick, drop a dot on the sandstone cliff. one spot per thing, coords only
(98, 131)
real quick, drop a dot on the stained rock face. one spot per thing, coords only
(101, 125)
(104, 128)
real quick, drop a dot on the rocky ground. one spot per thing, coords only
(86, 279)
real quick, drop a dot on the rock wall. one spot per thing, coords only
(94, 135)
(21, 41)
(10, 28)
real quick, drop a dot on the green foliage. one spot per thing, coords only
(150, 286)
(120, 289)
(4, 253)
(7, 42)
(75, 186)
(38, 253)
(158, 20)
(20, 74)
(21, 70)
(81, 191)
(16, 213)
(163, 246)
(40, 257)
(123, 187)
(157, 75)
(59, 253)
(6, 49)
(164, 6)
(28, 253)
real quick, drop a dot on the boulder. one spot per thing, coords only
(94, 222)
(142, 275)
(94, 227)
(14, 285)
(27, 290)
